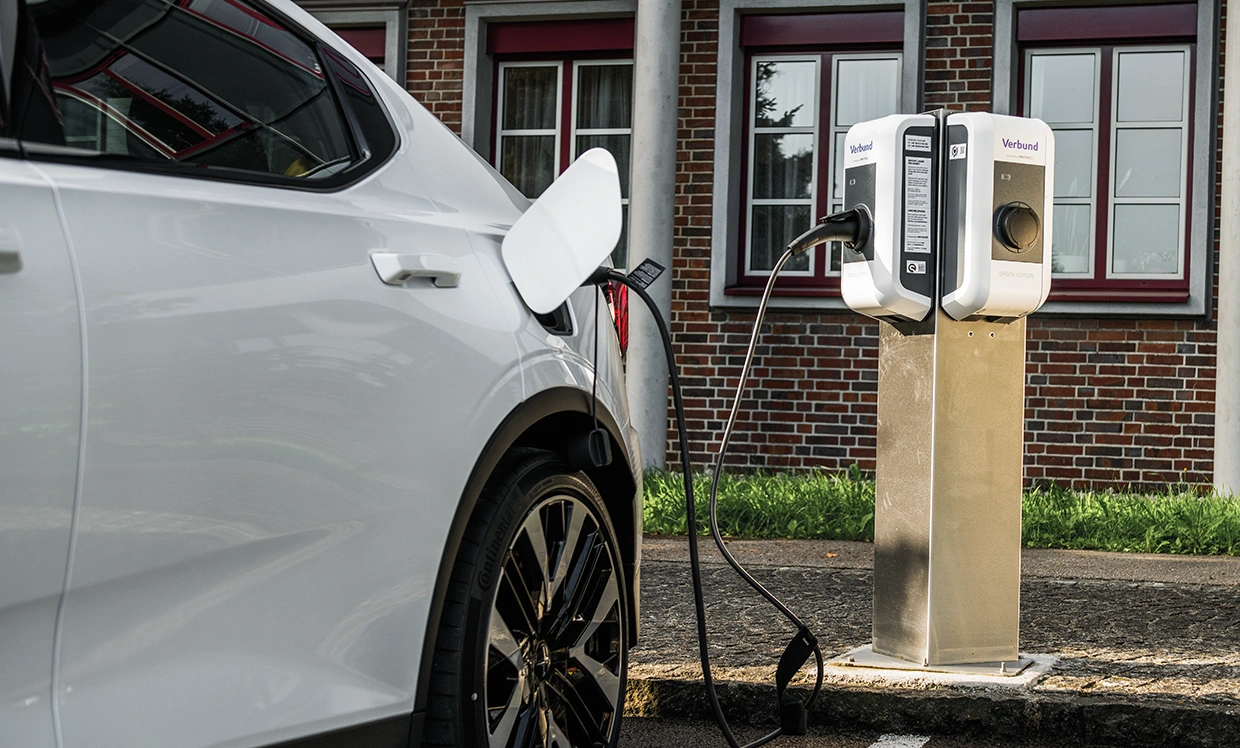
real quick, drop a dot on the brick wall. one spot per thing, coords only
(959, 40)
(1109, 402)
(1119, 402)
(436, 59)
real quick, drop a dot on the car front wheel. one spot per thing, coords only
(532, 645)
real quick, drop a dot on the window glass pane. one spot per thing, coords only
(772, 227)
(1147, 239)
(78, 41)
(1147, 163)
(865, 90)
(530, 98)
(1062, 88)
(260, 81)
(161, 126)
(1074, 163)
(88, 127)
(604, 96)
(318, 132)
(528, 161)
(176, 96)
(371, 119)
(1070, 246)
(241, 18)
(1151, 86)
(785, 94)
(783, 166)
(209, 82)
(619, 147)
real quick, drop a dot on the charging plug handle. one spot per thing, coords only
(851, 227)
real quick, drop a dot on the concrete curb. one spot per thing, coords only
(985, 714)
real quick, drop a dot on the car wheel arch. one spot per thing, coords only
(544, 421)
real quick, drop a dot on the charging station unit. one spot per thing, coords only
(951, 381)
(892, 275)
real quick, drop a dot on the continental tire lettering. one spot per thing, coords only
(493, 554)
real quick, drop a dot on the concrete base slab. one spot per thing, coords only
(863, 665)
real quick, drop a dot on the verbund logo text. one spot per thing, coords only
(1020, 145)
(861, 148)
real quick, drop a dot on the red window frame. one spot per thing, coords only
(821, 35)
(1107, 28)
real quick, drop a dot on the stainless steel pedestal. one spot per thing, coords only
(947, 521)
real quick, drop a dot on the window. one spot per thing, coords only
(550, 108)
(551, 112)
(802, 80)
(1131, 199)
(799, 111)
(1117, 89)
(211, 84)
(866, 58)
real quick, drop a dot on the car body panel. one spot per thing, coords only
(41, 397)
(260, 480)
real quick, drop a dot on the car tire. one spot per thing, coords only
(532, 645)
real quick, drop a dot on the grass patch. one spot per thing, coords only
(840, 506)
(828, 506)
(1176, 521)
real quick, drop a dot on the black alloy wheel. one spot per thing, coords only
(543, 654)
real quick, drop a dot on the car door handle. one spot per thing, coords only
(397, 269)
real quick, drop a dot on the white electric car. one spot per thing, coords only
(284, 456)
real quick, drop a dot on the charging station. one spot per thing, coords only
(946, 241)
(951, 376)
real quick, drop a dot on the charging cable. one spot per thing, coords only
(853, 228)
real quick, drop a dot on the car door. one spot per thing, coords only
(40, 423)
(277, 439)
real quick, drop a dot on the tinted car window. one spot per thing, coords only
(202, 82)
(31, 107)
(371, 121)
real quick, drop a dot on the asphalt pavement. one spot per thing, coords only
(1142, 650)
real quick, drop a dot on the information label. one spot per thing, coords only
(917, 204)
(917, 143)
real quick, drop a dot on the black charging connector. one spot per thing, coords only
(852, 227)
